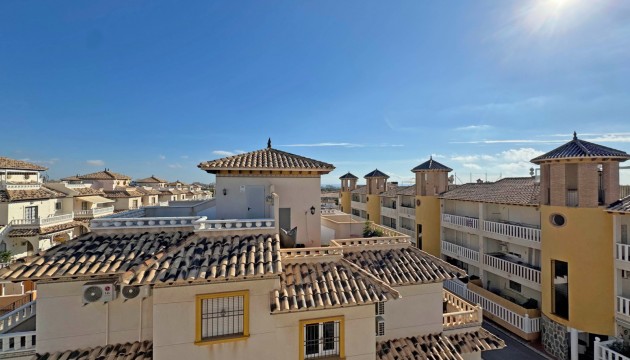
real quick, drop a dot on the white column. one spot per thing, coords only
(573, 343)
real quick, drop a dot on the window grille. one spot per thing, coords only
(380, 326)
(380, 308)
(321, 340)
(222, 317)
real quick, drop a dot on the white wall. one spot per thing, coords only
(418, 312)
(45, 208)
(297, 193)
(64, 323)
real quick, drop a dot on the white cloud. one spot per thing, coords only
(511, 162)
(95, 162)
(240, 151)
(42, 162)
(162, 157)
(473, 127)
(465, 158)
(498, 107)
(472, 166)
(324, 144)
(223, 153)
(175, 166)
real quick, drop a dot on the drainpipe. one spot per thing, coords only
(140, 327)
(107, 323)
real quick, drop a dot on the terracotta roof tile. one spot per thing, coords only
(407, 190)
(577, 148)
(321, 285)
(622, 205)
(361, 189)
(515, 191)
(152, 179)
(266, 159)
(88, 191)
(104, 175)
(129, 351)
(213, 259)
(121, 192)
(94, 255)
(34, 194)
(402, 265)
(438, 346)
(145, 191)
(6, 163)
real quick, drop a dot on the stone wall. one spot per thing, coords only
(555, 338)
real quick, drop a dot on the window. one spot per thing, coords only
(58, 205)
(30, 212)
(557, 220)
(560, 293)
(322, 338)
(515, 286)
(135, 204)
(222, 317)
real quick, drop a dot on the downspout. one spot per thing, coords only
(140, 327)
(107, 323)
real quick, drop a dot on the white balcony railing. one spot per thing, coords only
(17, 316)
(203, 224)
(524, 323)
(459, 251)
(12, 343)
(468, 314)
(47, 221)
(144, 222)
(602, 351)
(623, 306)
(18, 186)
(460, 220)
(407, 211)
(407, 232)
(516, 231)
(623, 252)
(91, 213)
(515, 269)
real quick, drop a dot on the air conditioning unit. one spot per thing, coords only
(380, 326)
(99, 291)
(380, 308)
(132, 292)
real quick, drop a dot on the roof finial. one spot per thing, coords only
(269, 143)
(574, 135)
(430, 157)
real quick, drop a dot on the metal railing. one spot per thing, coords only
(451, 249)
(17, 316)
(522, 322)
(466, 221)
(516, 231)
(47, 221)
(515, 269)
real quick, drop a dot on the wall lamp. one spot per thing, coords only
(312, 210)
(224, 192)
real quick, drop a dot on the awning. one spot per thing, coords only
(94, 199)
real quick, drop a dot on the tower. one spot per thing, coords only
(376, 182)
(431, 180)
(348, 183)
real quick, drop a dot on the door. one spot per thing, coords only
(30, 212)
(285, 218)
(255, 201)
(419, 244)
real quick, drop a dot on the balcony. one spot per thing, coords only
(623, 306)
(19, 186)
(623, 252)
(459, 252)
(521, 321)
(603, 350)
(389, 212)
(17, 345)
(572, 198)
(465, 221)
(517, 231)
(39, 222)
(411, 211)
(406, 231)
(358, 205)
(499, 261)
(93, 213)
(459, 313)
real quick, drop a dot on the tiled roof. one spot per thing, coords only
(44, 230)
(361, 189)
(431, 165)
(6, 163)
(322, 285)
(34, 194)
(71, 178)
(266, 159)
(392, 190)
(401, 266)
(153, 179)
(88, 191)
(94, 255)
(407, 190)
(121, 192)
(348, 175)
(129, 351)
(176, 182)
(376, 173)
(514, 191)
(577, 148)
(438, 346)
(622, 205)
(144, 191)
(203, 259)
(171, 191)
(104, 175)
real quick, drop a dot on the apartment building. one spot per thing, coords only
(148, 285)
(544, 253)
(33, 216)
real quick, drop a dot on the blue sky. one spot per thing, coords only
(154, 87)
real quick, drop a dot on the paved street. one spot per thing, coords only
(515, 349)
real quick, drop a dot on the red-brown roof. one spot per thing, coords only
(266, 159)
(6, 163)
(513, 191)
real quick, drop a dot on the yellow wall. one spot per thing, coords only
(373, 208)
(585, 242)
(428, 215)
(344, 201)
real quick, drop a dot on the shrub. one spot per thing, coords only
(5, 256)
(368, 232)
